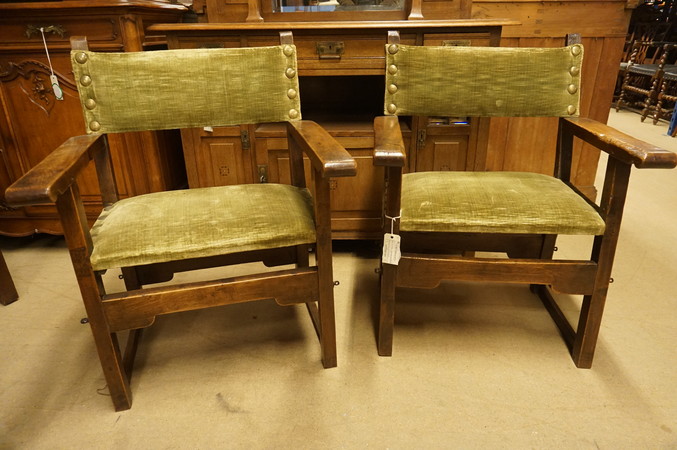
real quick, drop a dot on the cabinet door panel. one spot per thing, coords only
(450, 154)
(443, 148)
(46, 122)
(222, 162)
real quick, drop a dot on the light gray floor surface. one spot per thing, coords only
(474, 366)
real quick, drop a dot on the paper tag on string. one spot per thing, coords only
(391, 249)
(58, 92)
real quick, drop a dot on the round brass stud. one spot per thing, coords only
(94, 125)
(392, 108)
(85, 80)
(90, 103)
(393, 48)
(291, 93)
(290, 73)
(573, 70)
(576, 50)
(288, 50)
(81, 57)
(392, 69)
(293, 114)
(571, 109)
(572, 89)
(392, 88)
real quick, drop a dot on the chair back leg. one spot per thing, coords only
(8, 292)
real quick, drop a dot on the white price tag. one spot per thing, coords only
(391, 249)
(58, 92)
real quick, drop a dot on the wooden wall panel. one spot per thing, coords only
(519, 144)
(548, 18)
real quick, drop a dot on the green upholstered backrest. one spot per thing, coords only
(483, 81)
(167, 89)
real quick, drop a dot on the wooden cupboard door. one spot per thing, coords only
(355, 201)
(443, 153)
(216, 156)
(33, 123)
(443, 144)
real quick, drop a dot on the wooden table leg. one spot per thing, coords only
(8, 292)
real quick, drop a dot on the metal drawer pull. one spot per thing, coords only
(330, 49)
(56, 29)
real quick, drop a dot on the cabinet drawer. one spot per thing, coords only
(323, 54)
(465, 39)
(58, 30)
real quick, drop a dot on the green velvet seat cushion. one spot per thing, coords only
(175, 225)
(494, 202)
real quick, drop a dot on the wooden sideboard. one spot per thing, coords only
(33, 122)
(343, 91)
(341, 74)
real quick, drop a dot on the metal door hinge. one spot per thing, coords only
(262, 170)
(244, 136)
(421, 137)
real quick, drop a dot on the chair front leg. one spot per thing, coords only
(604, 250)
(388, 279)
(76, 232)
(327, 324)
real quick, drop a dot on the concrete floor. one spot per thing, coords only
(474, 366)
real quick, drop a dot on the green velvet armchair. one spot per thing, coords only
(150, 237)
(445, 221)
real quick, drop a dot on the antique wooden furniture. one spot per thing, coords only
(443, 218)
(666, 95)
(8, 292)
(643, 77)
(643, 32)
(341, 67)
(241, 153)
(33, 122)
(154, 235)
(343, 91)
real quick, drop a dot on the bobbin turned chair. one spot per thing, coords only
(152, 236)
(651, 65)
(444, 218)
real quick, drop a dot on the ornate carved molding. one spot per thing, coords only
(35, 29)
(5, 207)
(33, 80)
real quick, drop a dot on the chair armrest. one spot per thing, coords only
(325, 153)
(54, 174)
(619, 145)
(388, 143)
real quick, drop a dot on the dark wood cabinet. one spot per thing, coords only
(33, 122)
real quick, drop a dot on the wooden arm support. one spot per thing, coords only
(54, 174)
(326, 155)
(388, 144)
(619, 145)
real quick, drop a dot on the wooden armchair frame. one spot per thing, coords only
(54, 181)
(427, 258)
